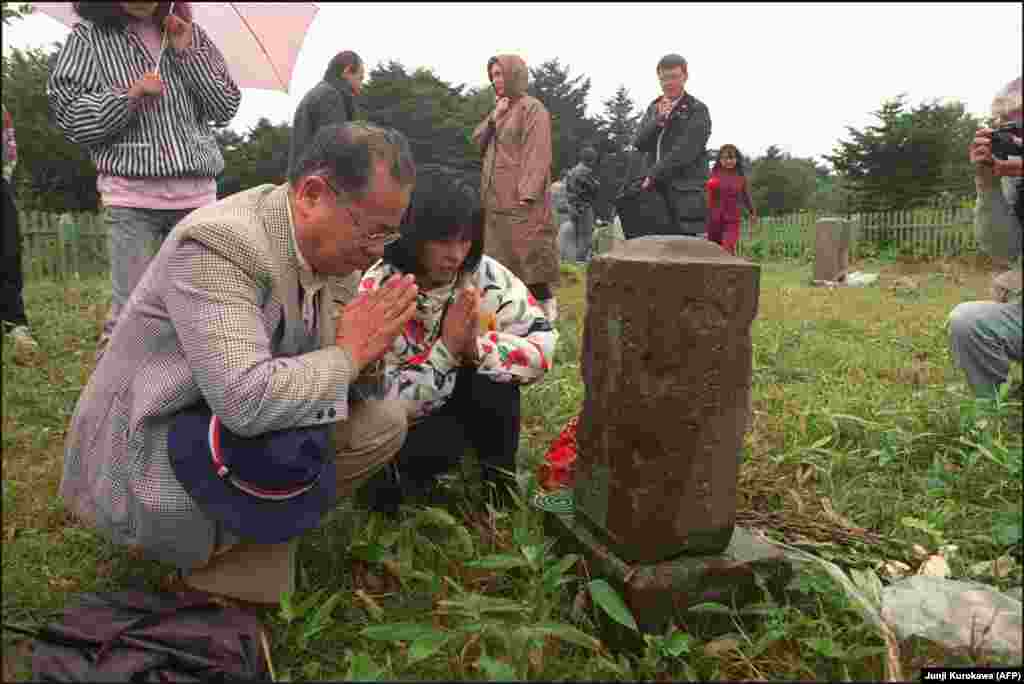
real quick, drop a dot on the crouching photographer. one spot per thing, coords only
(986, 335)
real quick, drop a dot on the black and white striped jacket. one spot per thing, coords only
(163, 137)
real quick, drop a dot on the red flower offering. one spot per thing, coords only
(557, 470)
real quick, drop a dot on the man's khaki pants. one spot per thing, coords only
(259, 573)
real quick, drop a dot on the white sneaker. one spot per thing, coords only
(550, 309)
(22, 337)
(26, 349)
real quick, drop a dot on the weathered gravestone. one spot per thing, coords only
(832, 240)
(667, 364)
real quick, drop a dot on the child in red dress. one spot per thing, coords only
(725, 187)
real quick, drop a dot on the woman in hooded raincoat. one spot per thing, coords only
(515, 140)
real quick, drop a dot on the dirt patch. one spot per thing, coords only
(36, 478)
(17, 661)
(980, 266)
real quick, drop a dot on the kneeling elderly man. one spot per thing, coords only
(217, 426)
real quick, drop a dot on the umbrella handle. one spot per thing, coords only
(163, 42)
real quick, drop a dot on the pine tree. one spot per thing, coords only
(910, 158)
(52, 174)
(620, 120)
(617, 128)
(427, 109)
(566, 102)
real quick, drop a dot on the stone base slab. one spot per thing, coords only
(661, 593)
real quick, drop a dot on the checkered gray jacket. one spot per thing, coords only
(217, 315)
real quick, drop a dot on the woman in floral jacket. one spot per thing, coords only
(477, 336)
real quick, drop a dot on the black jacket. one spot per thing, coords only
(581, 186)
(681, 169)
(331, 101)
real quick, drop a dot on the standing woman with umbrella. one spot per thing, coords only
(138, 84)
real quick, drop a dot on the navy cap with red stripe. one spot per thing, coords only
(267, 489)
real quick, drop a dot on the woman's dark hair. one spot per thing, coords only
(113, 15)
(445, 205)
(734, 150)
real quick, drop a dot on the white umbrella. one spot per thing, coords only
(260, 41)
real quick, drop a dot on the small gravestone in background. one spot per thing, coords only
(560, 218)
(605, 236)
(832, 241)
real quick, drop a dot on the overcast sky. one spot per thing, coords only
(793, 75)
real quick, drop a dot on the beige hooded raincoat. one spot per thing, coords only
(517, 167)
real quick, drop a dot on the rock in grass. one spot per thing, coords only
(935, 566)
(998, 568)
(721, 646)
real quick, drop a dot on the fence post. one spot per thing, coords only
(100, 236)
(927, 230)
(943, 236)
(37, 251)
(53, 224)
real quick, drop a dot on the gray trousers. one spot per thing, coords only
(576, 237)
(983, 338)
(135, 236)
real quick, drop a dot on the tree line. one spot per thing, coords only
(913, 156)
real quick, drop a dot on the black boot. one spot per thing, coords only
(381, 493)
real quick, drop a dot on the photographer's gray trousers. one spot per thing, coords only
(983, 338)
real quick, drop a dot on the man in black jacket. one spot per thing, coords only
(581, 188)
(673, 135)
(331, 101)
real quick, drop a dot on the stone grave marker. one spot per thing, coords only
(667, 366)
(832, 240)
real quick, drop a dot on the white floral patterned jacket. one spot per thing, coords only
(516, 342)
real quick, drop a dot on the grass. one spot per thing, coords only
(861, 422)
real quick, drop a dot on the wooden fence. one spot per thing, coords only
(918, 232)
(74, 245)
(63, 246)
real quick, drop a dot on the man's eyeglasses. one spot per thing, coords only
(383, 238)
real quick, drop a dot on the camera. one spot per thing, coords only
(1003, 143)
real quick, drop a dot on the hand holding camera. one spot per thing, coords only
(990, 150)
